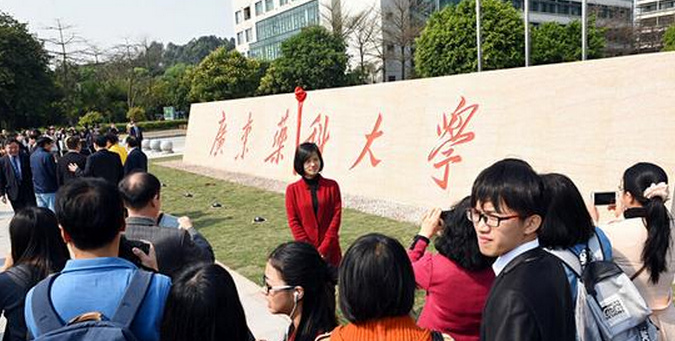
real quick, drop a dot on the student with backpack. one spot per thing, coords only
(597, 284)
(569, 228)
(97, 296)
(643, 241)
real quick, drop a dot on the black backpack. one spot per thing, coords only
(93, 325)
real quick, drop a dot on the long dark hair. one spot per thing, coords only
(567, 221)
(300, 264)
(36, 241)
(458, 241)
(204, 305)
(635, 180)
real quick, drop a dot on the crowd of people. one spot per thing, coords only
(106, 258)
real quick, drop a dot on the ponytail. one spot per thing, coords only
(646, 182)
(658, 238)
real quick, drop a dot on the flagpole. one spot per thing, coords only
(478, 40)
(584, 19)
(526, 18)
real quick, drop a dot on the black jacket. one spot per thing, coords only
(63, 174)
(104, 164)
(175, 248)
(8, 181)
(136, 160)
(530, 300)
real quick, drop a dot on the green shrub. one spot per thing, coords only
(137, 114)
(90, 119)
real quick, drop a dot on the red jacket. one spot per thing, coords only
(455, 296)
(320, 230)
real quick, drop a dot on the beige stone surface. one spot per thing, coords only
(589, 120)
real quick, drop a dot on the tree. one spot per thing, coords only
(448, 44)
(557, 43)
(403, 22)
(26, 86)
(312, 59)
(225, 75)
(364, 39)
(173, 87)
(136, 114)
(669, 39)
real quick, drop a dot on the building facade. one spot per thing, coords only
(262, 25)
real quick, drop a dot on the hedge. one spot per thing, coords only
(148, 125)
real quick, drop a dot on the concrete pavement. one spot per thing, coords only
(264, 325)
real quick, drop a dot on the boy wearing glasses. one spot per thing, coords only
(530, 298)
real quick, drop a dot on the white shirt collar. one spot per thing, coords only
(504, 260)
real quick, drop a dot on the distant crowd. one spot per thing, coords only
(521, 257)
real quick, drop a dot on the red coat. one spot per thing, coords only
(320, 230)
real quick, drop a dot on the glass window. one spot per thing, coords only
(247, 13)
(282, 2)
(237, 17)
(249, 35)
(269, 5)
(258, 8)
(240, 37)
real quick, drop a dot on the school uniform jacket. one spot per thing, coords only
(530, 300)
(320, 230)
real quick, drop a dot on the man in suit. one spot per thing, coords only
(63, 174)
(102, 164)
(43, 167)
(16, 178)
(135, 131)
(175, 248)
(136, 160)
(530, 298)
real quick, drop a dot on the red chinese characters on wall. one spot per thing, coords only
(279, 139)
(246, 130)
(451, 133)
(320, 134)
(219, 140)
(370, 138)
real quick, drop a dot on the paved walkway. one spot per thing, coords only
(264, 325)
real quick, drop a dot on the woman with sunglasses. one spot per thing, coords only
(300, 284)
(457, 280)
(642, 243)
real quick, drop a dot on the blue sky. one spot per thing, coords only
(109, 22)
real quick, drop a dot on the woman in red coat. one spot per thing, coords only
(314, 205)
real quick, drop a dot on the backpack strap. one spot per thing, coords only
(436, 336)
(133, 297)
(45, 317)
(569, 259)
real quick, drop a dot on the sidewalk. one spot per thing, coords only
(264, 325)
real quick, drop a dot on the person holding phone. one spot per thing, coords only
(457, 280)
(642, 243)
(314, 205)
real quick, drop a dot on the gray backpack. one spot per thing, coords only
(608, 305)
(89, 326)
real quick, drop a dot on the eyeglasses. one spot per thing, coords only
(476, 216)
(268, 288)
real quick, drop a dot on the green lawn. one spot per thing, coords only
(237, 241)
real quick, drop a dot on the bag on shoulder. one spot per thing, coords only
(92, 325)
(608, 306)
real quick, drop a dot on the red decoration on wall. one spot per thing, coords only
(300, 96)
(246, 130)
(219, 140)
(370, 138)
(279, 138)
(450, 134)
